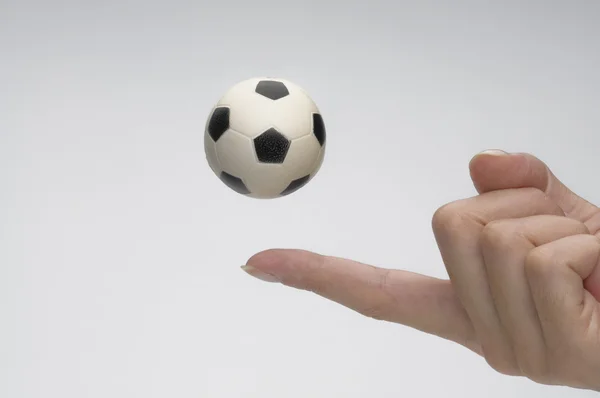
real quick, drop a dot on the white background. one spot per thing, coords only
(120, 250)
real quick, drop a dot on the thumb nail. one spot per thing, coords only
(263, 276)
(494, 152)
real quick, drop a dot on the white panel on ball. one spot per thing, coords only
(235, 153)
(302, 156)
(252, 114)
(210, 148)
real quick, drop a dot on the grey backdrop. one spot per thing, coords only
(120, 250)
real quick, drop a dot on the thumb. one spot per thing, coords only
(494, 170)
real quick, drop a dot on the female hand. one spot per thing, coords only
(523, 259)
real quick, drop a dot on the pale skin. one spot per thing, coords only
(523, 259)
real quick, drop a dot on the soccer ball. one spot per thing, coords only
(265, 138)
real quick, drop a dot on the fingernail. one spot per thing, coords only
(263, 276)
(494, 152)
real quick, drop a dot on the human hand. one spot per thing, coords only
(523, 259)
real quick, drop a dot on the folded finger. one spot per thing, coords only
(457, 229)
(506, 245)
(569, 314)
(556, 273)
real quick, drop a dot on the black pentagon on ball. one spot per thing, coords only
(219, 122)
(295, 185)
(272, 89)
(319, 128)
(234, 183)
(271, 146)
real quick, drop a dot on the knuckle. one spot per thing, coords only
(499, 233)
(512, 363)
(534, 368)
(502, 236)
(538, 260)
(450, 217)
(501, 364)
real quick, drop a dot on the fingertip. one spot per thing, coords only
(491, 158)
(279, 263)
(266, 265)
(258, 274)
(276, 255)
(266, 260)
(262, 257)
(484, 166)
(492, 152)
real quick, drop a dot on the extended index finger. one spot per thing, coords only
(418, 301)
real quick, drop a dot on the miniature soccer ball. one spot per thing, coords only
(265, 138)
